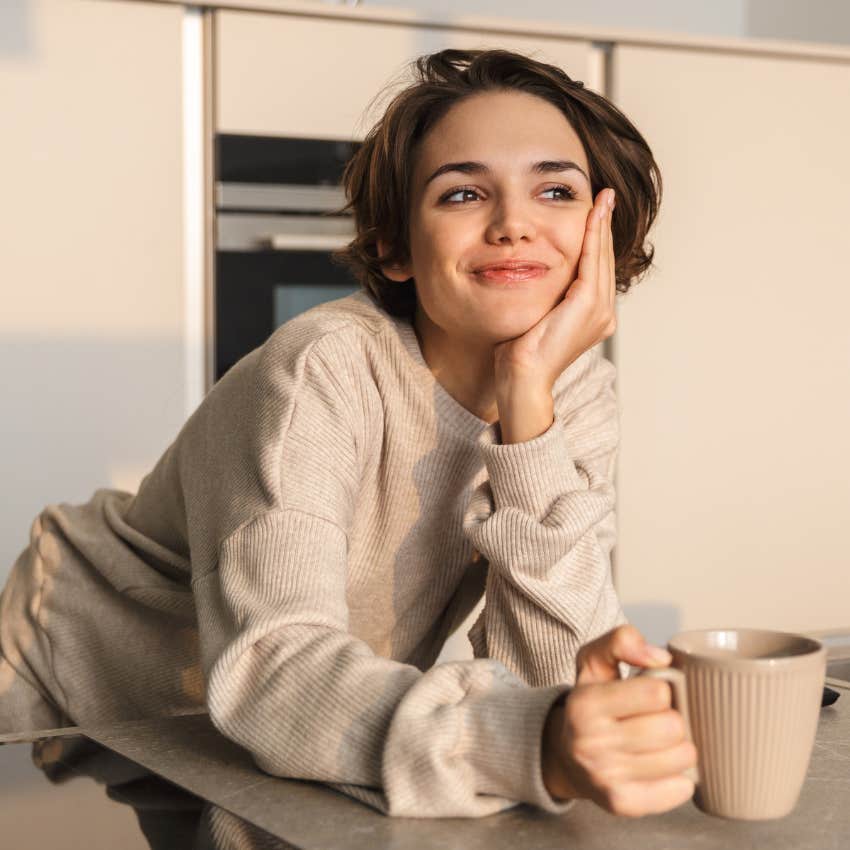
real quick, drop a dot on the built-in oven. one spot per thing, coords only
(275, 230)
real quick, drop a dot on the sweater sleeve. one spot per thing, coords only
(545, 521)
(309, 700)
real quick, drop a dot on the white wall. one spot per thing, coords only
(92, 360)
(696, 17)
(803, 20)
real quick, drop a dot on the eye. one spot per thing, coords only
(568, 191)
(567, 194)
(457, 191)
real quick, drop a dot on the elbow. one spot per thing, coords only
(236, 725)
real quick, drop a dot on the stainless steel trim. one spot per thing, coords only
(246, 232)
(278, 196)
(302, 242)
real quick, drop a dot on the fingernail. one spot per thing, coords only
(611, 195)
(656, 653)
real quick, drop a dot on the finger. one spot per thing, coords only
(651, 797)
(616, 700)
(660, 764)
(588, 264)
(598, 661)
(645, 733)
(602, 268)
(601, 247)
(612, 260)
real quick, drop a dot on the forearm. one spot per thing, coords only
(525, 412)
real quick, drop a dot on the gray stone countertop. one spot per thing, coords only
(189, 752)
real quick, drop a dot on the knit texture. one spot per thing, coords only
(295, 560)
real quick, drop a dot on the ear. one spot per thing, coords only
(398, 273)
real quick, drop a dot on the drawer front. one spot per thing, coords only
(314, 78)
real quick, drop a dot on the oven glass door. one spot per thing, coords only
(258, 291)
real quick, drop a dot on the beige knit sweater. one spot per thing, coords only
(299, 554)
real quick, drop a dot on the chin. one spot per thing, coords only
(511, 327)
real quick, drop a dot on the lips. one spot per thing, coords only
(510, 273)
(512, 265)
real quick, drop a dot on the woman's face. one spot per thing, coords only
(519, 189)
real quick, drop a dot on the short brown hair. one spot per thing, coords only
(377, 177)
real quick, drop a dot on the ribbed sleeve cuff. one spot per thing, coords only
(531, 475)
(506, 743)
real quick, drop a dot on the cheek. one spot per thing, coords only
(573, 234)
(439, 245)
(571, 242)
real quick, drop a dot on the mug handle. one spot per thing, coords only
(676, 679)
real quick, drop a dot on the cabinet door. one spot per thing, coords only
(307, 77)
(734, 356)
(91, 261)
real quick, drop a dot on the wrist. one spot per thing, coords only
(524, 414)
(555, 777)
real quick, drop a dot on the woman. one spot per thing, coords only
(346, 492)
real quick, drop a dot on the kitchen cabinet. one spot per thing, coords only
(734, 355)
(92, 364)
(315, 78)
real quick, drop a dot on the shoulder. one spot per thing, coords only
(334, 332)
(313, 370)
(330, 346)
(330, 353)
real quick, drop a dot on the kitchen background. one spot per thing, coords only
(130, 131)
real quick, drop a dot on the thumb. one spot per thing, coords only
(598, 661)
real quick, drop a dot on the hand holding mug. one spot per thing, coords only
(618, 741)
(752, 696)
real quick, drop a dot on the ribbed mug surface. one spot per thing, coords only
(753, 720)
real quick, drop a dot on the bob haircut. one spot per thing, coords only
(376, 179)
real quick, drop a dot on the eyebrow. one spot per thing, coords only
(546, 166)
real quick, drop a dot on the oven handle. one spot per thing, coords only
(260, 231)
(303, 241)
(277, 197)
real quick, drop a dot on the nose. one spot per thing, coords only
(511, 221)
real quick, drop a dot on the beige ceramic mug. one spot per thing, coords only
(750, 699)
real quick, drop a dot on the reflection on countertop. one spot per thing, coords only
(166, 816)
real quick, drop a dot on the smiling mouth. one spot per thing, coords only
(511, 272)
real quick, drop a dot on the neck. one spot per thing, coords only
(465, 371)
